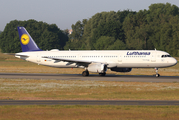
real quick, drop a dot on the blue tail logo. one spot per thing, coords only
(27, 43)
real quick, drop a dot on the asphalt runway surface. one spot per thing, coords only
(123, 78)
(87, 102)
(108, 77)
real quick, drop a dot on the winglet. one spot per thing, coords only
(27, 43)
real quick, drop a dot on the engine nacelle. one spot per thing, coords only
(97, 67)
(121, 69)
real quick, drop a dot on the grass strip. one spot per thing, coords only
(57, 112)
(28, 89)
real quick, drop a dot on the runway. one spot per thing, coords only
(87, 102)
(108, 77)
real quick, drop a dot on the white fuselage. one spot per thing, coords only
(112, 58)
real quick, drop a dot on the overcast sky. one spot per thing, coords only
(64, 13)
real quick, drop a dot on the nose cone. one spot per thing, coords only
(174, 61)
(171, 62)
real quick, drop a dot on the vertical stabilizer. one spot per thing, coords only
(27, 43)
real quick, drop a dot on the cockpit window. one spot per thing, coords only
(164, 56)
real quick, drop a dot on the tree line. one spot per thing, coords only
(46, 36)
(157, 27)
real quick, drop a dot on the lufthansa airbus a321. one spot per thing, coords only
(97, 61)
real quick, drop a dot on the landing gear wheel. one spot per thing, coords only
(102, 74)
(157, 75)
(85, 73)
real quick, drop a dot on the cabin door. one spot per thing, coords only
(38, 57)
(153, 57)
(120, 58)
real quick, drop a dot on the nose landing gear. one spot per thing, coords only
(157, 75)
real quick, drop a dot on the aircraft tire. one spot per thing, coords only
(85, 73)
(102, 74)
(157, 75)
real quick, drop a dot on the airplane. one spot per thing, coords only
(96, 61)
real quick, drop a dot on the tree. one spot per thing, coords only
(104, 42)
(117, 45)
(98, 24)
(76, 37)
(155, 28)
(85, 34)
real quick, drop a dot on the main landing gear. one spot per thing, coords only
(102, 74)
(85, 73)
(157, 75)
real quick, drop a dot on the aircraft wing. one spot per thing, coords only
(71, 61)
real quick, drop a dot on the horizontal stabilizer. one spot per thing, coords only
(21, 55)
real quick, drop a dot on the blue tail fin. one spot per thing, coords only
(27, 43)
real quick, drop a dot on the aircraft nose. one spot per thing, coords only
(174, 61)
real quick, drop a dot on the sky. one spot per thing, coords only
(64, 13)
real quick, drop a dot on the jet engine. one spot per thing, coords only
(97, 67)
(121, 69)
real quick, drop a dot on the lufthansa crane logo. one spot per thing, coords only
(25, 39)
